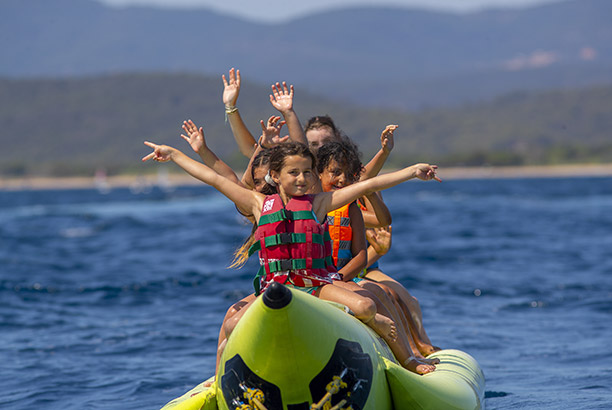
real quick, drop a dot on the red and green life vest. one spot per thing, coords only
(293, 246)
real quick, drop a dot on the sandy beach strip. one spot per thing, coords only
(548, 171)
(138, 182)
(134, 182)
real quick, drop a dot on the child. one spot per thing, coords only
(321, 129)
(291, 169)
(253, 178)
(376, 216)
(339, 166)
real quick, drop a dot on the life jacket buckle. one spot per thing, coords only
(285, 264)
(284, 238)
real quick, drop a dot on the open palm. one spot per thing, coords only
(195, 135)
(282, 97)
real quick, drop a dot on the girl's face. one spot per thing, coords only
(259, 175)
(319, 136)
(334, 177)
(296, 177)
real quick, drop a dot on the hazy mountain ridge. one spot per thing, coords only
(523, 86)
(372, 56)
(68, 126)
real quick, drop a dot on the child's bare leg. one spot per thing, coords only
(388, 298)
(383, 325)
(235, 313)
(384, 303)
(398, 313)
(382, 322)
(229, 322)
(220, 347)
(416, 343)
(424, 348)
(339, 292)
(412, 309)
(410, 301)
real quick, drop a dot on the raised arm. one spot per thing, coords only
(247, 176)
(244, 198)
(243, 136)
(376, 214)
(270, 137)
(378, 161)
(380, 243)
(358, 246)
(282, 99)
(327, 201)
(271, 131)
(195, 138)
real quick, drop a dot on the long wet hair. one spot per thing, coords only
(275, 158)
(262, 159)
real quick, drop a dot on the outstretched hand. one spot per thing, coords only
(195, 135)
(386, 138)
(427, 172)
(231, 89)
(161, 153)
(379, 239)
(282, 98)
(270, 132)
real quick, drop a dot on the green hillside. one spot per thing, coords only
(73, 126)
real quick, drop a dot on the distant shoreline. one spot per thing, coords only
(452, 173)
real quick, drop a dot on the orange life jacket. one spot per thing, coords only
(341, 233)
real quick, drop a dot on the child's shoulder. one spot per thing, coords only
(271, 203)
(304, 198)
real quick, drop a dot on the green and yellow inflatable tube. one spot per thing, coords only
(292, 351)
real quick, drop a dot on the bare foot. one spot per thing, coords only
(209, 383)
(417, 367)
(384, 327)
(427, 349)
(433, 360)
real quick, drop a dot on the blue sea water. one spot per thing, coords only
(114, 301)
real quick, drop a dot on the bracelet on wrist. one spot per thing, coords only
(230, 109)
(261, 145)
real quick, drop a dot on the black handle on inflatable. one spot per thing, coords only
(277, 296)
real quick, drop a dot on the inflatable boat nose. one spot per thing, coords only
(277, 296)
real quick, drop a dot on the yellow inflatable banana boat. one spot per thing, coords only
(292, 351)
